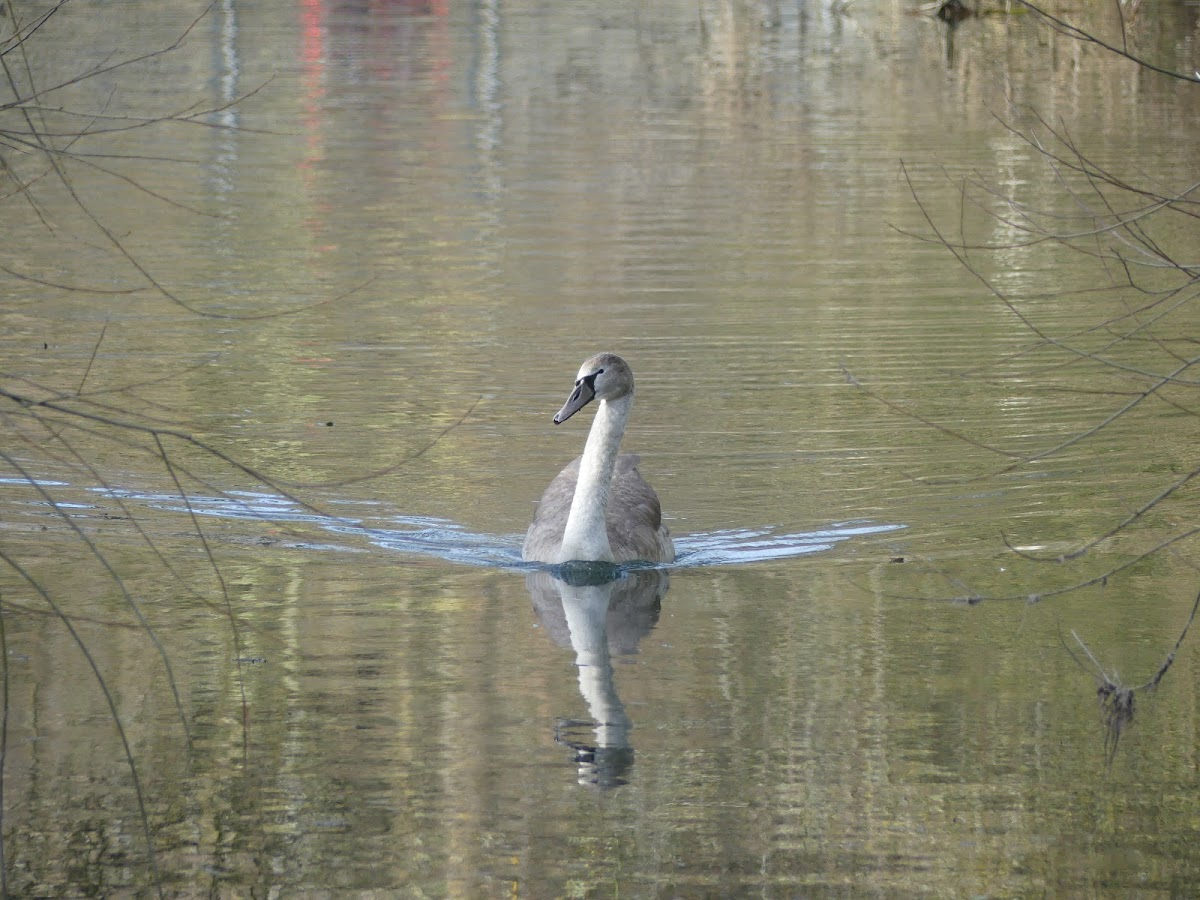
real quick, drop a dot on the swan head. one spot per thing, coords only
(604, 376)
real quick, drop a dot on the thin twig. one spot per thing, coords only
(112, 708)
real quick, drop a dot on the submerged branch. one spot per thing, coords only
(1118, 700)
(1139, 237)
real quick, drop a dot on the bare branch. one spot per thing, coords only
(1073, 31)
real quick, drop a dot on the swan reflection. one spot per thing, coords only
(598, 611)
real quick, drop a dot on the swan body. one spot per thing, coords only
(599, 508)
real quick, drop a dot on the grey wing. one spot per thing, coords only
(635, 526)
(545, 534)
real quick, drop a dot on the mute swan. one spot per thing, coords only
(599, 508)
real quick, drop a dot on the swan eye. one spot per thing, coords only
(599, 371)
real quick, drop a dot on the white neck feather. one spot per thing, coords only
(586, 534)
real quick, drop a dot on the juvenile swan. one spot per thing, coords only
(599, 508)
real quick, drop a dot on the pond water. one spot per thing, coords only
(279, 373)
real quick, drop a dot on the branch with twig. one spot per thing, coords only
(1075, 32)
(1137, 354)
(50, 148)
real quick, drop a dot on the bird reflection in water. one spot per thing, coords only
(598, 610)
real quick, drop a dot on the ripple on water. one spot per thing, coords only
(450, 541)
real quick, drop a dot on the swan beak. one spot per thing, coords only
(583, 394)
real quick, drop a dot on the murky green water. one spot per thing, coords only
(292, 425)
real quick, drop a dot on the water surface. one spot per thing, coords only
(318, 388)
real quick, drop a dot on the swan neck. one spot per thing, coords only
(586, 534)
